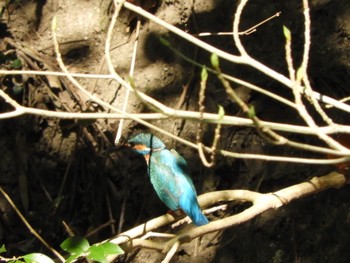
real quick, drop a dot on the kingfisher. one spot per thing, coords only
(168, 173)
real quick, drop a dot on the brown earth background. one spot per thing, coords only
(58, 169)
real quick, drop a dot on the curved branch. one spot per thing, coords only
(247, 60)
(260, 203)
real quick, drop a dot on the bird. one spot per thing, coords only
(168, 174)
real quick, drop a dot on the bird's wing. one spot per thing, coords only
(173, 186)
(164, 179)
(179, 159)
(182, 164)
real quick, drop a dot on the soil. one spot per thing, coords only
(59, 170)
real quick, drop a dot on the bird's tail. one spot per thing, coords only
(198, 218)
(191, 207)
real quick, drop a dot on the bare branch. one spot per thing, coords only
(260, 203)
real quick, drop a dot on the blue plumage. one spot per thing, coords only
(169, 176)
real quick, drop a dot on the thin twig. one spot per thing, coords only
(245, 32)
(297, 92)
(30, 228)
(199, 136)
(189, 115)
(171, 252)
(210, 118)
(303, 68)
(54, 73)
(236, 80)
(253, 28)
(233, 58)
(131, 74)
(217, 133)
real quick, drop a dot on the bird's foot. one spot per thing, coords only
(180, 218)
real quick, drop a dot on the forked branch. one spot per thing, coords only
(260, 203)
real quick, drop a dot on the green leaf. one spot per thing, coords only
(300, 74)
(2, 249)
(111, 249)
(16, 64)
(99, 252)
(73, 257)
(287, 33)
(221, 112)
(251, 112)
(131, 82)
(204, 74)
(75, 245)
(214, 59)
(37, 258)
(96, 253)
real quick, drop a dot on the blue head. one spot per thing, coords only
(143, 143)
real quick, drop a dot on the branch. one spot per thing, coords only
(233, 58)
(166, 112)
(30, 228)
(210, 118)
(297, 92)
(260, 203)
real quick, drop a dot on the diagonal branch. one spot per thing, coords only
(244, 59)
